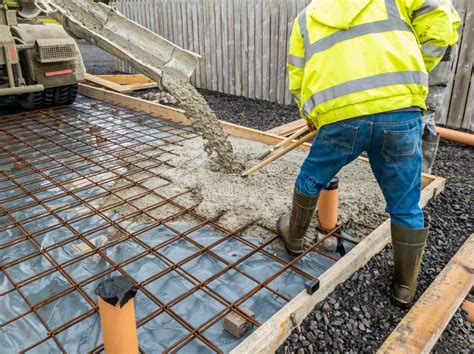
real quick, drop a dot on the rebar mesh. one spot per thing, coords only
(82, 198)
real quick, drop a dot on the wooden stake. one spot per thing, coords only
(279, 154)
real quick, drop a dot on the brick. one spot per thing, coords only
(94, 129)
(237, 325)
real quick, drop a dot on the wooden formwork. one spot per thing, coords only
(122, 83)
(268, 337)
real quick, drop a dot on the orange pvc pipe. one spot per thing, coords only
(328, 207)
(456, 136)
(468, 306)
(119, 328)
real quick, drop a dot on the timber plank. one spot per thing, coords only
(282, 52)
(138, 104)
(420, 329)
(127, 79)
(107, 84)
(219, 40)
(225, 47)
(288, 128)
(266, 50)
(237, 48)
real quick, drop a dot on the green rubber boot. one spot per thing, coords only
(408, 247)
(430, 144)
(292, 227)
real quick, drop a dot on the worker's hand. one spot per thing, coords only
(311, 126)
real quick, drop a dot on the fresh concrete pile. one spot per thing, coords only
(264, 196)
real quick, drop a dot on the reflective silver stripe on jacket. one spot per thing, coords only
(433, 50)
(364, 84)
(393, 23)
(296, 61)
(428, 6)
(304, 28)
(354, 32)
(392, 9)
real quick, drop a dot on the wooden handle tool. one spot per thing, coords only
(282, 143)
(286, 150)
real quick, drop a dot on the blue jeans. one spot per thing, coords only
(393, 144)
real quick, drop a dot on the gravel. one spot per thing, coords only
(261, 115)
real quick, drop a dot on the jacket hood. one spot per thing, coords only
(337, 13)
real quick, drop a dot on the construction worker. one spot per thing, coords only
(439, 79)
(359, 73)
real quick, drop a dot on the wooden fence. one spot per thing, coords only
(458, 109)
(243, 44)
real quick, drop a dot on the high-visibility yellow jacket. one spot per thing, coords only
(350, 58)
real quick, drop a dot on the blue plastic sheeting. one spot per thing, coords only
(83, 336)
(169, 286)
(64, 309)
(160, 333)
(196, 346)
(21, 334)
(12, 305)
(195, 309)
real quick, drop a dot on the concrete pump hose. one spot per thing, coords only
(456, 136)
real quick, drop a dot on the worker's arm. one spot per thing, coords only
(296, 62)
(435, 23)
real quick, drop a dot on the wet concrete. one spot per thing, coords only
(267, 194)
(204, 120)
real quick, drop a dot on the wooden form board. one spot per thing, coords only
(421, 328)
(137, 104)
(128, 79)
(289, 128)
(122, 83)
(274, 332)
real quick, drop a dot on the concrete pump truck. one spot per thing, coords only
(40, 64)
